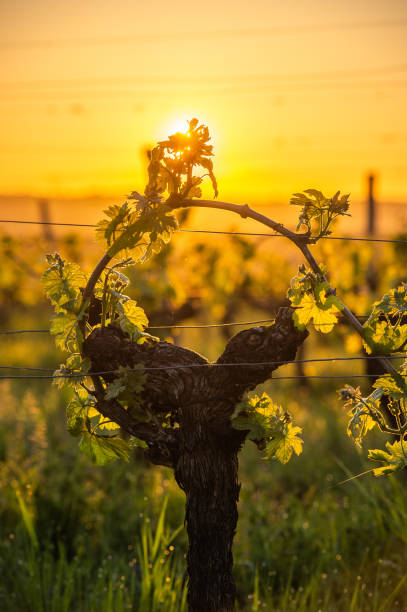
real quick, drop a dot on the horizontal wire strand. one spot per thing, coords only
(6, 332)
(279, 363)
(204, 326)
(314, 376)
(226, 233)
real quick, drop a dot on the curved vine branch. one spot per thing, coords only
(300, 240)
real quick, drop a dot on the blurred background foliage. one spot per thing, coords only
(77, 536)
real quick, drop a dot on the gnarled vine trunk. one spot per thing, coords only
(208, 475)
(203, 447)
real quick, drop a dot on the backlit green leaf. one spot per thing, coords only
(269, 426)
(132, 318)
(64, 326)
(392, 387)
(62, 282)
(103, 450)
(285, 444)
(395, 459)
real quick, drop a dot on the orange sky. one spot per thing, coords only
(296, 95)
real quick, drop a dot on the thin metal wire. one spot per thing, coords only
(46, 223)
(224, 233)
(287, 362)
(23, 331)
(362, 239)
(316, 376)
(209, 325)
(206, 326)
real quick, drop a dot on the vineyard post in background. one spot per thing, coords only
(371, 204)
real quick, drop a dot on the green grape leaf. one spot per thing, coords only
(75, 364)
(310, 295)
(117, 214)
(115, 389)
(358, 426)
(134, 380)
(64, 326)
(103, 450)
(258, 415)
(137, 443)
(395, 459)
(393, 302)
(127, 388)
(396, 389)
(255, 423)
(284, 444)
(107, 424)
(77, 414)
(318, 210)
(381, 337)
(132, 318)
(323, 314)
(384, 330)
(364, 412)
(269, 426)
(62, 283)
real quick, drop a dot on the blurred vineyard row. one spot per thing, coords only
(76, 536)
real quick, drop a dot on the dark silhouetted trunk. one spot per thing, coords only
(208, 475)
(202, 446)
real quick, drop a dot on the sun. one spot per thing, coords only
(175, 125)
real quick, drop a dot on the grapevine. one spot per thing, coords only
(126, 394)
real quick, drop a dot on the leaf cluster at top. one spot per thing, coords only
(172, 163)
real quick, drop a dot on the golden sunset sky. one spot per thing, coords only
(296, 94)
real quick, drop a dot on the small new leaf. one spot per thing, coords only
(318, 212)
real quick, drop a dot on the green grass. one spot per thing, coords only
(144, 576)
(308, 556)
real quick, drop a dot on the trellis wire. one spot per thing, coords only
(367, 239)
(199, 231)
(315, 376)
(279, 363)
(205, 326)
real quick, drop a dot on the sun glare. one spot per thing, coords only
(177, 125)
